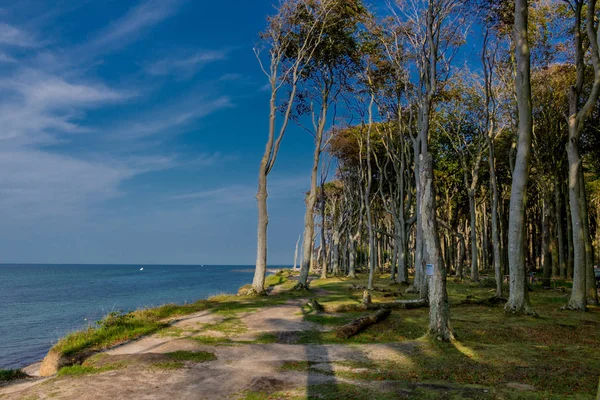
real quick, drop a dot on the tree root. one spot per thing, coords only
(411, 289)
(316, 305)
(569, 307)
(301, 286)
(520, 310)
(254, 293)
(444, 335)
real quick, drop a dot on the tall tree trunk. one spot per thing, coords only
(494, 211)
(418, 254)
(309, 219)
(393, 267)
(474, 250)
(462, 250)
(296, 252)
(335, 255)
(402, 276)
(518, 301)
(578, 300)
(439, 308)
(570, 252)
(352, 258)
(323, 241)
(546, 255)
(577, 115)
(562, 265)
(590, 280)
(258, 283)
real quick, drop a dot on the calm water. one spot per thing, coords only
(41, 303)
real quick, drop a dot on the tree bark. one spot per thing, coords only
(494, 211)
(474, 250)
(546, 254)
(439, 307)
(562, 266)
(518, 301)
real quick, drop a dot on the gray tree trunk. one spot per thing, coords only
(352, 258)
(578, 300)
(474, 250)
(546, 254)
(590, 280)
(296, 253)
(494, 211)
(518, 300)
(418, 254)
(439, 308)
(562, 266)
(309, 219)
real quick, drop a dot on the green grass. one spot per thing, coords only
(212, 340)
(117, 328)
(328, 391)
(80, 370)
(198, 356)
(229, 326)
(168, 365)
(557, 352)
(11, 375)
(265, 338)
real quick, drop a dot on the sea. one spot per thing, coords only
(39, 304)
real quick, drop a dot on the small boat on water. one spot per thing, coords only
(141, 269)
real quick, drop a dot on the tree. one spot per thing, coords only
(326, 75)
(518, 301)
(288, 56)
(578, 114)
(432, 31)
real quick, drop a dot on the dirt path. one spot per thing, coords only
(238, 367)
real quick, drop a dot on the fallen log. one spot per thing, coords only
(395, 305)
(490, 301)
(393, 294)
(356, 288)
(410, 304)
(352, 328)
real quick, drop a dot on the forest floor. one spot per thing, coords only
(278, 347)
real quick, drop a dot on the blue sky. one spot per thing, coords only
(131, 131)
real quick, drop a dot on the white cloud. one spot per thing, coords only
(186, 66)
(172, 119)
(6, 59)
(230, 77)
(12, 36)
(37, 107)
(39, 183)
(282, 187)
(139, 18)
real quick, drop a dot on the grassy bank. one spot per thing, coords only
(495, 355)
(118, 328)
(7, 375)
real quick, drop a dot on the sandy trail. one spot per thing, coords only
(237, 369)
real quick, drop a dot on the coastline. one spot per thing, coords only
(33, 369)
(281, 346)
(98, 290)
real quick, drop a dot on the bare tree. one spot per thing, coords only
(433, 29)
(327, 76)
(288, 55)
